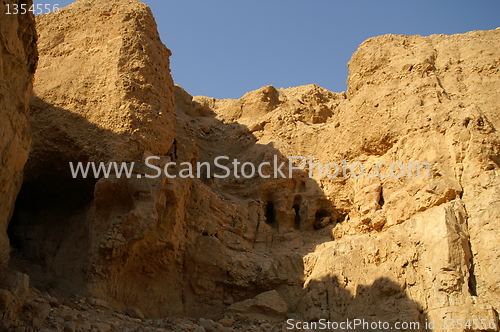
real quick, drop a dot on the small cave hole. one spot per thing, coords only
(270, 213)
(296, 207)
(381, 200)
(466, 122)
(322, 219)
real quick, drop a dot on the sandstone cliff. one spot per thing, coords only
(103, 89)
(410, 98)
(18, 58)
(392, 249)
(103, 92)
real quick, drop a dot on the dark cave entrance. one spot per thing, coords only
(44, 210)
(270, 214)
(319, 218)
(297, 217)
(296, 207)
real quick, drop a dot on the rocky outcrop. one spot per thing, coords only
(416, 271)
(131, 237)
(103, 89)
(20, 306)
(436, 98)
(310, 247)
(409, 99)
(267, 305)
(200, 245)
(103, 92)
(18, 59)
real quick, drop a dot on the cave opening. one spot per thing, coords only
(340, 217)
(44, 211)
(270, 213)
(381, 200)
(296, 207)
(320, 218)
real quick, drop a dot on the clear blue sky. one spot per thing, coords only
(224, 48)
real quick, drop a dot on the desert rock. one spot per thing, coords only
(399, 248)
(18, 60)
(103, 93)
(268, 305)
(103, 89)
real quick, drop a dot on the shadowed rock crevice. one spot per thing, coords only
(381, 301)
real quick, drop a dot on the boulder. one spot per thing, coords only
(267, 305)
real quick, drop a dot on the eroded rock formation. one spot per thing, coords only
(430, 99)
(103, 92)
(18, 59)
(389, 249)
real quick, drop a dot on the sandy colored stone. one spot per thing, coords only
(392, 249)
(268, 305)
(18, 60)
(103, 89)
(103, 92)
(410, 98)
(134, 313)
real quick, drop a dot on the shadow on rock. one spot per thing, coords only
(381, 306)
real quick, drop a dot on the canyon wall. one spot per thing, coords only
(18, 59)
(401, 248)
(409, 99)
(103, 92)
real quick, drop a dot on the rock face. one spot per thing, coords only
(268, 305)
(410, 99)
(18, 58)
(309, 246)
(103, 92)
(431, 99)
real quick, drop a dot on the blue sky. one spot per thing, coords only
(224, 48)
